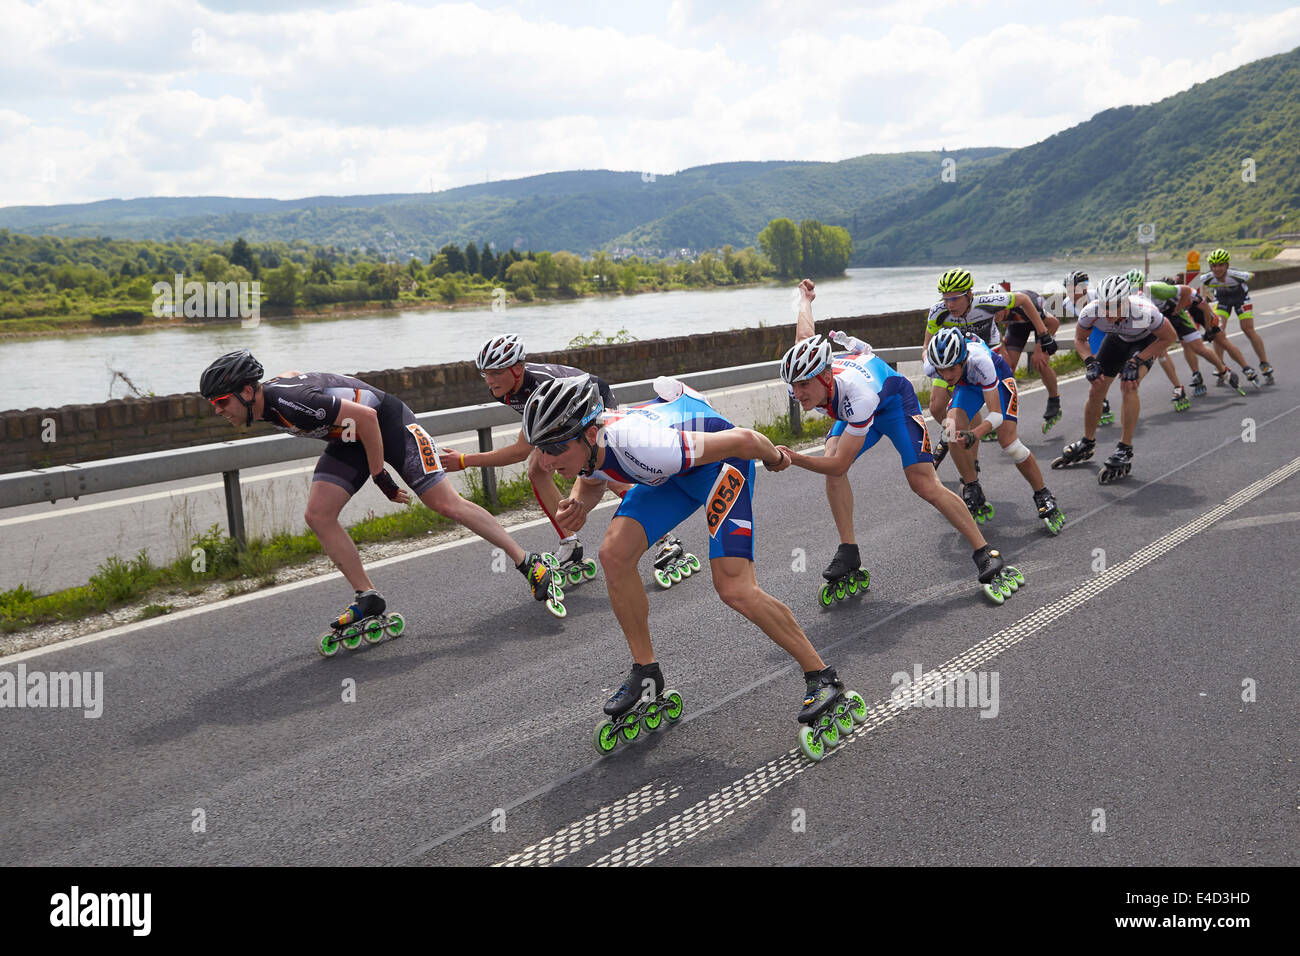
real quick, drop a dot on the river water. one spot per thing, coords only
(72, 369)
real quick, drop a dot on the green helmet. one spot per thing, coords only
(956, 280)
(1137, 278)
(1219, 256)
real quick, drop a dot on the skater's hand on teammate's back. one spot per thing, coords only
(449, 458)
(785, 461)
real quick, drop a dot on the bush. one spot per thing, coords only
(117, 317)
(524, 293)
(1266, 252)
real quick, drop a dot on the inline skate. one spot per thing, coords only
(364, 619)
(998, 580)
(640, 703)
(1053, 517)
(844, 576)
(1117, 466)
(1232, 381)
(568, 564)
(544, 581)
(829, 713)
(1198, 385)
(1181, 402)
(1267, 371)
(1251, 376)
(1075, 452)
(1052, 415)
(673, 562)
(1107, 416)
(981, 508)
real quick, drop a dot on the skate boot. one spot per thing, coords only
(544, 582)
(940, 453)
(829, 713)
(640, 703)
(1075, 452)
(998, 580)
(1198, 385)
(980, 508)
(1267, 371)
(1117, 465)
(1107, 416)
(1251, 376)
(672, 562)
(1053, 517)
(1231, 380)
(567, 562)
(1181, 402)
(1053, 413)
(363, 620)
(844, 576)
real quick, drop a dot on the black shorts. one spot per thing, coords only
(1114, 352)
(407, 447)
(1184, 327)
(1016, 335)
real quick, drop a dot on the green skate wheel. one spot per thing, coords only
(352, 638)
(857, 707)
(327, 646)
(396, 625)
(605, 738)
(994, 593)
(843, 719)
(589, 568)
(685, 568)
(663, 580)
(672, 705)
(1014, 572)
(556, 592)
(675, 572)
(575, 575)
(830, 732)
(864, 579)
(1005, 587)
(694, 562)
(827, 599)
(557, 608)
(630, 732)
(550, 560)
(841, 592)
(374, 632)
(652, 718)
(812, 748)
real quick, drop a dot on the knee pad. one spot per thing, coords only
(1017, 451)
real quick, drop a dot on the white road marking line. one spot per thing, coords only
(661, 839)
(1261, 521)
(594, 826)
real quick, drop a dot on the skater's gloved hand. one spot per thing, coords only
(967, 438)
(1130, 371)
(1093, 367)
(784, 463)
(1047, 343)
(1212, 333)
(389, 487)
(571, 515)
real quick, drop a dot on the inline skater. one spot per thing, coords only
(1077, 295)
(980, 378)
(960, 308)
(1203, 315)
(512, 381)
(1016, 336)
(1135, 332)
(1232, 294)
(363, 428)
(680, 454)
(868, 401)
(1173, 300)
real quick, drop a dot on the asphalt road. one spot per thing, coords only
(1146, 691)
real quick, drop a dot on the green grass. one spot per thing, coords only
(778, 432)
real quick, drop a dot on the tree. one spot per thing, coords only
(455, 258)
(568, 272)
(782, 244)
(471, 259)
(282, 285)
(547, 271)
(487, 267)
(521, 273)
(242, 255)
(214, 267)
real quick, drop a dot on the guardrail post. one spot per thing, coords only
(235, 509)
(489, 474)
(796, 416)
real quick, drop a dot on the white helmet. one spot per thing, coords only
(805, 359)
(500, 352)
(947, 348)
(1113, 292)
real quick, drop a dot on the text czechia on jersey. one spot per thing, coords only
(77, 909)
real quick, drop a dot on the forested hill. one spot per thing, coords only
(581, 211)
(1178, 163)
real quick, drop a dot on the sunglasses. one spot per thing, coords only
(554, 448)
(221, 400)
(954, 298)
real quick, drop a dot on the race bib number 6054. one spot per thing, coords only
(730, 483)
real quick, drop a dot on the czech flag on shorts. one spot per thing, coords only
(743, 528)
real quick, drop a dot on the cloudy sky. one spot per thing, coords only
(123, 98)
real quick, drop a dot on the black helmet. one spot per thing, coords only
(230, 373)
(561, 409)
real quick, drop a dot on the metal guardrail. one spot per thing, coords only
(230, 457)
